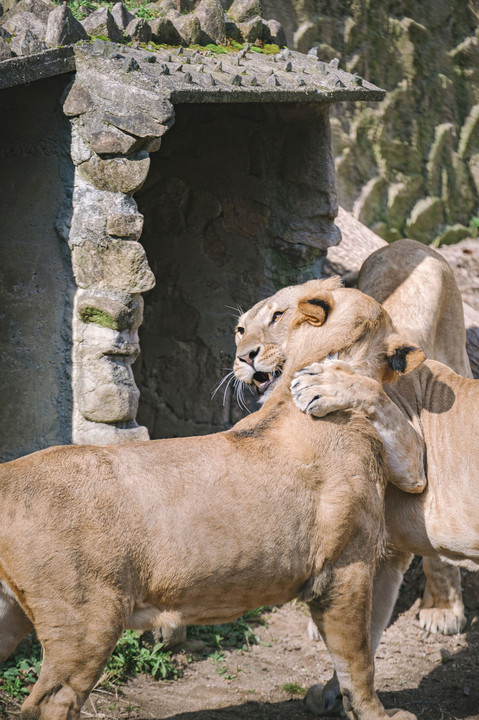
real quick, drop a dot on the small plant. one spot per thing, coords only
(294, 689)
(131, 658)
(20, 671)
(474, 222)
(238, 635)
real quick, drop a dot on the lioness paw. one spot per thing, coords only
(447, 621)
(323, 388)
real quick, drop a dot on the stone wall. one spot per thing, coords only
(409, 166)
(235, 206)
(36, 283)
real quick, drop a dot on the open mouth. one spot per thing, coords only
(264, 380)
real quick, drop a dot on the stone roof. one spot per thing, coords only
(186, 75)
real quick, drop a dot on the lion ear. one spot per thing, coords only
(314, 309)
(402, 357)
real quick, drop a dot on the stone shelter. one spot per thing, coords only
(144, 194)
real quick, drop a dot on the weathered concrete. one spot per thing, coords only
(36, 283)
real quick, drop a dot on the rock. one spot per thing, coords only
(473, 166)
(211, 16)
(26, 43)
(469, 138)
(80, 151)
(121, 15)
(252, 30)
(63, 28)
(243, 10)
(109, 312)
(166, 5)
(5, 52)
(103, 138)
(125, 225)
(371, 201)
(121, 265)
(6, 6)
(305, 36)
(78, 100)
(232, 31)
(39, 8)
(426, 216)
(139, 124)
(139, 29)
(118, 98)
(452, 235)
(164, 32)
(125, 175)
(189, 28)
(101, 22)
(23, 21)
(277, 33)
(4, 33)
(458, 196)
(401, 200)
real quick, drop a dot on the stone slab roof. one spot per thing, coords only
(26, 69)
(186, 75)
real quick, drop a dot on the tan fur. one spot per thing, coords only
(196, 530)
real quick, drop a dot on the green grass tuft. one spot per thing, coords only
(294, 689)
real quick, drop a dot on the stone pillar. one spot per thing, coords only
(115, 123)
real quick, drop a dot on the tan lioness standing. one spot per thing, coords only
(197, 530)
(417, 288)
(443, 407)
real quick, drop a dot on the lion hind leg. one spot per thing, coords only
(442, 608)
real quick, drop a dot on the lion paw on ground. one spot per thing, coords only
(445, 621)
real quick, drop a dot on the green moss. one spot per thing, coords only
(98, 317)
(99, 37)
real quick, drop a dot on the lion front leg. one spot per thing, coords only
(330, 386)
(342, 619)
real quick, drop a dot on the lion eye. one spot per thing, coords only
(240, 330)
(276, 317)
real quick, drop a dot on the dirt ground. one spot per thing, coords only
(432, 676)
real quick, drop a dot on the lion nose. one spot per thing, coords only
(249, 357)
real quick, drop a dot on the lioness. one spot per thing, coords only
(417, 288)
(442, 405)
(198, 530)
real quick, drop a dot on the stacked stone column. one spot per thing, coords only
(115, 123)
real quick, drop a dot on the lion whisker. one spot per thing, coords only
(220, 383)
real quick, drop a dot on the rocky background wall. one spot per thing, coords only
(36, 283)
(234, 209)
(410, 166)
